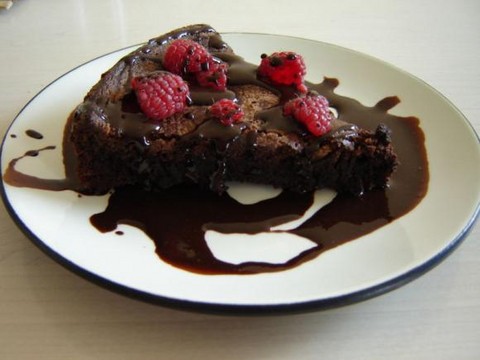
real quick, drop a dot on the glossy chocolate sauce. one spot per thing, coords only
(176, 219)
(34, 134)
(19, 179)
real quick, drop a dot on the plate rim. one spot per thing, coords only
(243, 309)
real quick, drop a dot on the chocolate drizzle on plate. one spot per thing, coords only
(19, 179)
(34, 134)
(176, 219)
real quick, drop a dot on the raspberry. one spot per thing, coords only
(226, 111)
(160, 94)
(214, 75)
(185, 56)
(312, 111)
(283, 68)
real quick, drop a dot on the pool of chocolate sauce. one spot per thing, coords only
(176, 219)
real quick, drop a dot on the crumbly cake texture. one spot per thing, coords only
(116, 145)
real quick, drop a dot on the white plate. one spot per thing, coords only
(58, 222)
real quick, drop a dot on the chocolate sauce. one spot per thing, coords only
(241, 72)
(176, 219)
(34, 134)
(201, 96)
(274, 120)
(215, 130)
(19, 179)
(411, 177)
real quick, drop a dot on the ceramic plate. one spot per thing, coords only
(58, 222)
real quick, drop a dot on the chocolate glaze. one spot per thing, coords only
(241, 72)
(176, 219)
(205, 97)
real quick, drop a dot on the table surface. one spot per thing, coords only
(47, 312)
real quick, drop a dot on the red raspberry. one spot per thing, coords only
(283, 68)
(214, 75)
(312, 111)
(185, 56)
(161, 94)
(226, 111)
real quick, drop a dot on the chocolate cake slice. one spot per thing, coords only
(116, 144)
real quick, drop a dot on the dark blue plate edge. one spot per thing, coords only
(232, 309)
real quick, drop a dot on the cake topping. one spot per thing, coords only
(213, 74)
(184, 56)
(161, 94)
(226, 111)
(283, 68)
(312, 111)
(194, 62)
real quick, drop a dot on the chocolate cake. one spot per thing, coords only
(116, 144)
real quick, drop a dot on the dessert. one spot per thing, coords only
(219, 119)
(183, 115)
